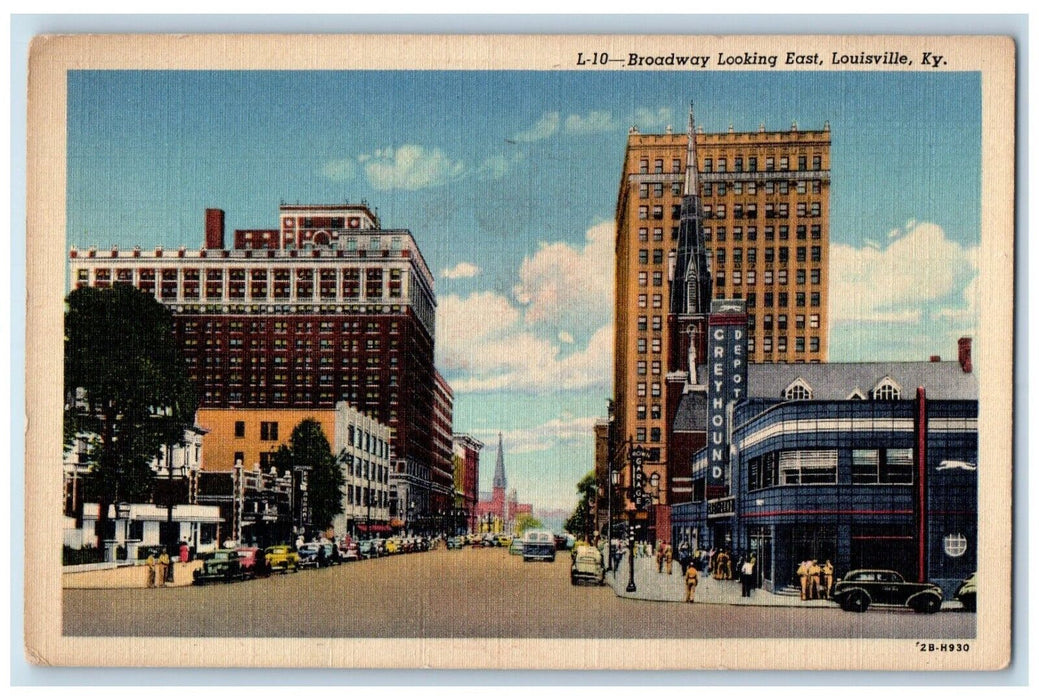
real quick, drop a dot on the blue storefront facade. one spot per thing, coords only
(869, 465)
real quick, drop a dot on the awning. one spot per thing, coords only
(378, 527)
(396, 522)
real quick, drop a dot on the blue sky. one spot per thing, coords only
(508, 180)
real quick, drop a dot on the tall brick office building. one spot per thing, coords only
(764, 203)
(326, 307)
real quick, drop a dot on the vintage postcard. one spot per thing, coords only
(545, 352)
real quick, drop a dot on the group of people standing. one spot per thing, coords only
(816, 579)
(159, 569)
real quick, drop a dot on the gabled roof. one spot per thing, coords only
(837, 380)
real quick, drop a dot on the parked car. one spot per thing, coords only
(967, 593)
(587, 566)
(248, 558)
(317, 555)
(394, 546)
(218, 565)
(349, 551)
(281, 557)
(369, 549)
(516, 547)
(539, 544)
(864, 587)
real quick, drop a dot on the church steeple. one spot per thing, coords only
(691, 287)
(499, 467)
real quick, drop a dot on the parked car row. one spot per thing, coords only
(861, 588)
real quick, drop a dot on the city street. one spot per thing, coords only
(460, 593)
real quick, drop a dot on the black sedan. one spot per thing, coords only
(864, 587)
(219, 565)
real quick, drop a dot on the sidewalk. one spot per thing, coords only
(653, 586)
(127, 576)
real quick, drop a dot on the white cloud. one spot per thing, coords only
(569, 286)
(342, 170)
(546, 436)
(651, 119)
(910, 277)
(410, 167)
(460, 271)
(594, 122)
(495, 167)
(544, 127)
(555, 333)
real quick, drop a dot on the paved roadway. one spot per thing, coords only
(460, 593)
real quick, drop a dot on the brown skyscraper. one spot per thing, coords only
(764, 205)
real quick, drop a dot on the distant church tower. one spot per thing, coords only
(499, 468)
(691, 284)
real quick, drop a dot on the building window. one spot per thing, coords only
(640, 434)
(813, 344)
(657, 323)
(268, 430)
(643, 212)
(807, 467)
(798, 391)
(643, 234)
(640, 346)
(642, 301)
(640, 412)
(657, 301)
(640, 389)
(643, 279)
(239, 428)
(656, 345)
(640, 367)
(642, 323)
(658, 256)
(887, 390)
(654, 434)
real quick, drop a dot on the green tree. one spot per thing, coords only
(581, 519)
(526, 521)
(308, 447)
(127, 391)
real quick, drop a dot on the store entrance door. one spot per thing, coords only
(761, 548)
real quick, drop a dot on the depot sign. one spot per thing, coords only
(726, 384)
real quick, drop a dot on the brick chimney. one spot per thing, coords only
(965, 363)
(214, 229)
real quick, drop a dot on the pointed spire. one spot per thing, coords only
(499, 467)
(692, 180)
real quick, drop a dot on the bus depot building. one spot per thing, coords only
(869, 465)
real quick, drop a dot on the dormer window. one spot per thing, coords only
(798, 390)
(887, 390)
(856, 395)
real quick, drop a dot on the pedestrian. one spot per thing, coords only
(163, 568)
(827, 579)
(802, 574)
(150, 561)
(814, 573)
(669, 557)
(683, 555)
(183, 552)
(747, 576)
(660, 557)
(692, 578)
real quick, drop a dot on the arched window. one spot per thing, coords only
(798, 390)
(887, 390)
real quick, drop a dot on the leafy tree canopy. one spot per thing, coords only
(581, 519)
(126, 388)
(308, 447)
(526, 521)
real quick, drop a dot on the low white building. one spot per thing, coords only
(139, 525)
(362, 446)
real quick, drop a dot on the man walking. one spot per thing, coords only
(150, 561)
(747, 576)
(692, 578)
(669, 558)
(827, 579)
(163, 568)
(802, 574)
